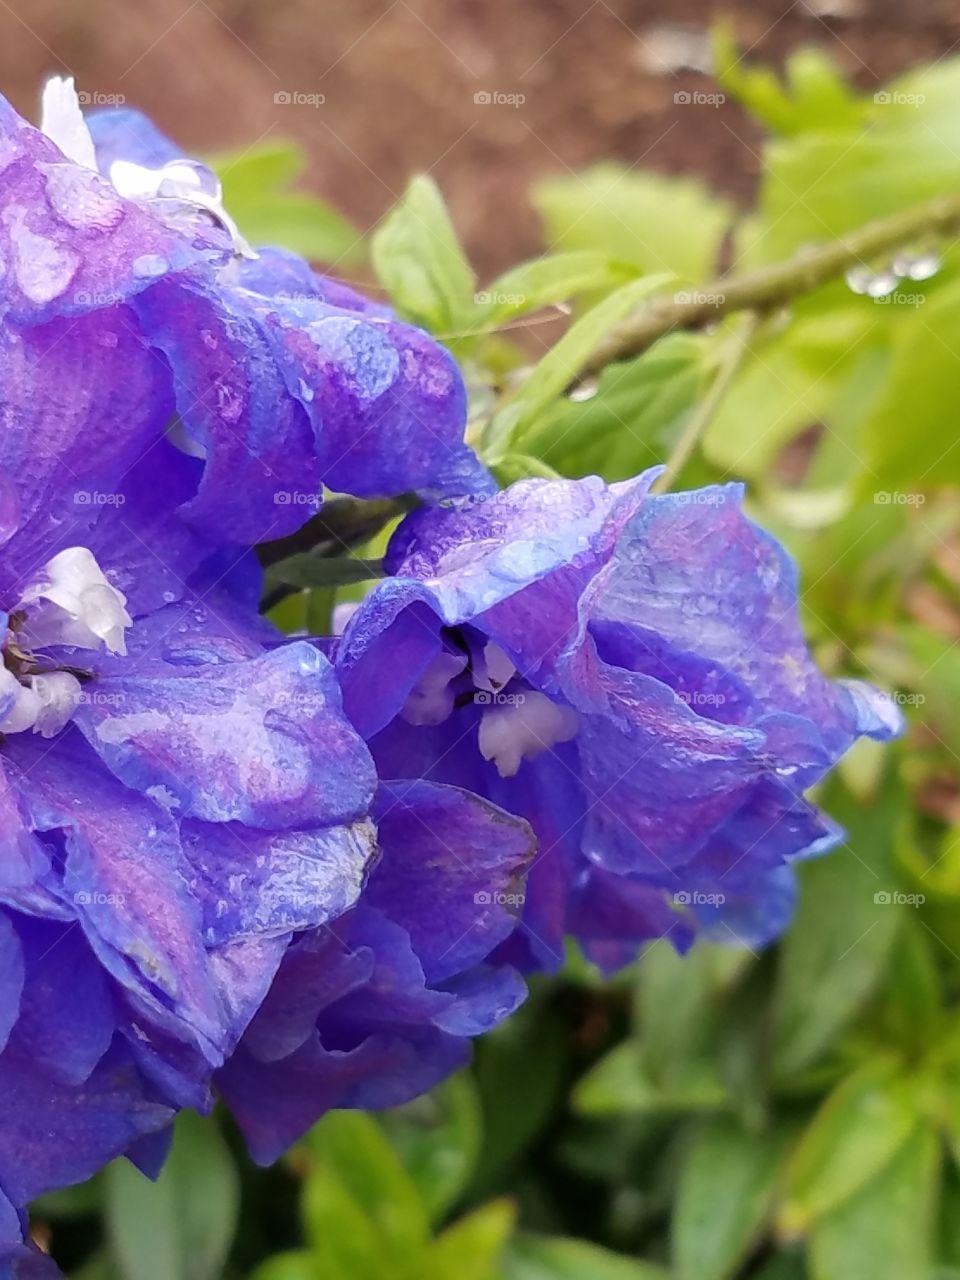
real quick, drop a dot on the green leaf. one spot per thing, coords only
(98, 1267)
(358, 1176)
(913, 995)
(783, 1266)
(855, 1134)
(724, 1197)
(71, 1202)
(820, 184)
(438, 1138)
(557, 1258)
(680, 1002)
(471, 1248)
(885, 1232)
(182, 1226)
(658, 223)
(306, 570)
(564, 360)
(815, 96)
(344, 1243)
(836, 952)
(521, 1070)
(418, 260)
(295, 1265)
(949, 1251)
(951, 1121)
(620, 1084)
(822, 369)
(255, 191)
(521, 466)
(924, 375)
(629, 423)
(549, 280)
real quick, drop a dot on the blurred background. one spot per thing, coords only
(399, 83)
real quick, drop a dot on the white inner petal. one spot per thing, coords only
(25, 706)
(62, 121)
(499, 670)
(59, 696)
(520, 728)
(431, 699)
(72, 603)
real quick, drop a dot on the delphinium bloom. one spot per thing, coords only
(381, 1005)
(181, 794)
(274, 381)
(628, 672)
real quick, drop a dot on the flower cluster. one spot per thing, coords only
(303, 873)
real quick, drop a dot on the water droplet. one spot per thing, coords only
(924, 266)
(586, 390)
(882, 283)
(858, 279)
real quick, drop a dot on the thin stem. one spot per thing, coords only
(341, 524)
(732, 357)
(774, 286)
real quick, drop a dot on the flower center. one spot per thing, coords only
(72, 605)
(518, 722)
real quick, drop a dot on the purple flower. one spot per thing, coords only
(379, 1006)
(267, 382)
(180, 795)
(182, 800)
(627, 672)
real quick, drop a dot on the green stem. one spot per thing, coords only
(731, 359)
(775, 286)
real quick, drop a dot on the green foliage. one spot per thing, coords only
(181, 1227)
(663, 225)
(418, 260)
